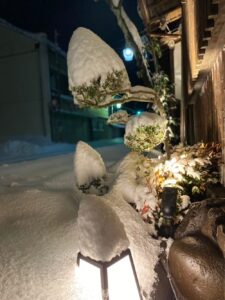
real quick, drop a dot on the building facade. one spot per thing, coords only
(35, 100)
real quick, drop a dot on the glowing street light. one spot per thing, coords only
(128, 54)
(105, 266)
(114, 280)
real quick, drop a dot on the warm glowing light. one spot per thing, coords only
(128, 54)
(121, 281)
(90, 281)
(114, 280)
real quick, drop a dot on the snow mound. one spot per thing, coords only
(101, 233)
(89, 58)
(88, 164)
(144, 249)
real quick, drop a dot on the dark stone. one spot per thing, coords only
(197, 268)
(197, 256)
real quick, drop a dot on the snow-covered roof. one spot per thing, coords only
(34, 36)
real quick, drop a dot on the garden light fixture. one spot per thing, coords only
(168, 207)
(105, 267)
(113, 280)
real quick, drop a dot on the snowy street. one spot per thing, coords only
(37, 233)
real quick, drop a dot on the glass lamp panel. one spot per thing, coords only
(90, 281)
(121, 281)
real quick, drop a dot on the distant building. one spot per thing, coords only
(34, 95)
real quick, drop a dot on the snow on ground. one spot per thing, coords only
(38, 242)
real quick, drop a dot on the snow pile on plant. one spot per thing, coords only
(190, 170)
(94, 68)
(101, 233)
(119, 117)
(102, 222)
(97, 75)
(89, 169)
(145, 132)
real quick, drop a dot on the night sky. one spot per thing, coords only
(65, 16)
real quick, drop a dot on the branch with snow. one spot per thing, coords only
(119, 117)
(97, 75)
(133, 39)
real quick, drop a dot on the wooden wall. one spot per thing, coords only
(203, 41)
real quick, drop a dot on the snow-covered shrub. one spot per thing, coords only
(145, 132)
(191, 169)
(89, 169)
(95, 70)
(119, 117)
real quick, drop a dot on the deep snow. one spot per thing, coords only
(39, 240)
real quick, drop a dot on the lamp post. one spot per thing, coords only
(113, 280)
(168, 207)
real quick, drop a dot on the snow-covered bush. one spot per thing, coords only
(95, 71)
(145, 132)
(119, 117)
(191, 170)
(90, 170)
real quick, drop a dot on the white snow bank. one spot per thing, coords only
(30, 147)
(89, 58)
(101, 233)
(38, 244)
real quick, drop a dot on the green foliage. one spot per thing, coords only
(164, 89)
(96, 92)
(154, 47)
(145, 138)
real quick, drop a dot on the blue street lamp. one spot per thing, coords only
(128, 54)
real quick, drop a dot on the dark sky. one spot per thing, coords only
(65, 16)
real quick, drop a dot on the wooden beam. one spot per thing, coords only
(200, 56)
(213, 11)
(210, 24)
(173, 15)
(201, 51)
(168, 17)
(207, 36)
(165, 35)
(204, 44)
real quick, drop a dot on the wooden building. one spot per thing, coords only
(203, 62)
